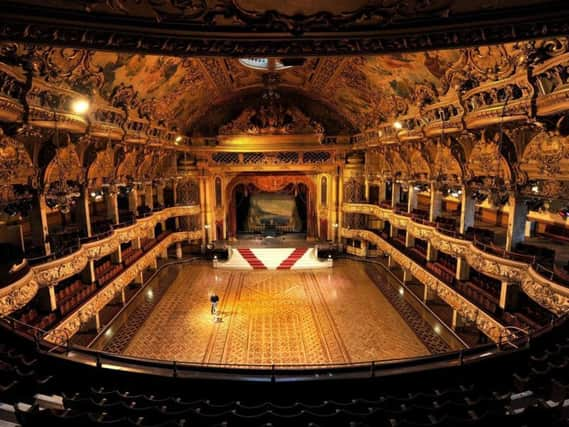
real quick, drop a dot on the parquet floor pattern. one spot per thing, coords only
(277, 317)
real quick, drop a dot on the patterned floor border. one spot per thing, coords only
(422, 329)
(125, 334)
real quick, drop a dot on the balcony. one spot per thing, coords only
(488, 259)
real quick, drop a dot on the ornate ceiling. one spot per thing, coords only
(285, 28)
(355, 92)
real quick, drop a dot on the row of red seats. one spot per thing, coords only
(103, 268)
(130, 255)
(68, 291)
(113, 272)
(71, 303)
(520, 321)
(492, 286)
(478, 296)
(440, 272)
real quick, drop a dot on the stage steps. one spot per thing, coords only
(252, 259)
(292, 259)
(272, 259)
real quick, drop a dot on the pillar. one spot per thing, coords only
(178, 250)
(136, 243)
(390, 262)
(428, 294)
(38, 222)
(205, 224)
(412, 204)
(46, 298)
(432, 253)
(409, 240)
(509, 295)
(83, 211)
(462, 269)
(116, 256)
(93, 324)
(133, 200)
(407, 276)
(395, 194)
(122, 297)
(88, 273)
(457, 320)
(436, 203)
(160, 193)
(112, 205)
(467, 210)
(516, 222)
(148, 196)
(339, 202)
(382, 191)
(139, 279)
(366, 189)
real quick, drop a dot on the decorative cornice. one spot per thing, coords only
(228, 29)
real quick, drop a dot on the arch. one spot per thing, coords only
(273, 183)
(126, 170)
(419, 169)
(546, 157)
(102, 169)
(64, 164)
(487, 160)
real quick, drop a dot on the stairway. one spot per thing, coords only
(292, 259)
(252, 259)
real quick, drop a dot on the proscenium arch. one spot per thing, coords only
(272, 182)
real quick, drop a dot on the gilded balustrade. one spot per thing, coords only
(554, 297)
(11, 89)
(469, 311)
(552, 79)
(71, 324)
(496, 102)
(107, 122)
(18, 294)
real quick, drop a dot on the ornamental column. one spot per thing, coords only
(412, 203)
(133, 200)
(111, 201)
(83, 210)
(148, 196)
(517, 217)
(395, 194)
(38, 222)
(436, 203)
(382, 196)
(467, 210)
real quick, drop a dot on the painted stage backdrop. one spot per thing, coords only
(273, 210)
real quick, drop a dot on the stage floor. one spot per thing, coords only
(279, 317)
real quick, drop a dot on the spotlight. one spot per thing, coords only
(178, 139)
(80, 106)
(397, 125)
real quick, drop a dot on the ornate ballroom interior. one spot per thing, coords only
(377, 190)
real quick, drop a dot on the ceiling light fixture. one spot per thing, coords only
(80, 106)
(397, 125)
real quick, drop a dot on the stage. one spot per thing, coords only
(287, 317)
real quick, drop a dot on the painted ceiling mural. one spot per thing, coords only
(366, 91)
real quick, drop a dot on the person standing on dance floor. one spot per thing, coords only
(214, 299)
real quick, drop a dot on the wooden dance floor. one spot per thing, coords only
(279, 317)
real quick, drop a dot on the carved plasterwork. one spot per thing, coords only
(547, 157)
(18, 294)
(546, 293)
(15, 163)
(102, 170)
(71, 325)
(65, 164)
(493, 329)
(272, 119)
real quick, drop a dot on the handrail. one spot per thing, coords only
(503, 253)
(283, 372)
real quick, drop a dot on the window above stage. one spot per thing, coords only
(264, 64)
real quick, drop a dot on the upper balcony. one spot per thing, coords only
(495, 262)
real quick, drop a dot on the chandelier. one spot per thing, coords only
(61, 194)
